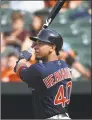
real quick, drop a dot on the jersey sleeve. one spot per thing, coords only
(29, 75)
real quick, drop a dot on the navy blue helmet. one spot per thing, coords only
(50, 36)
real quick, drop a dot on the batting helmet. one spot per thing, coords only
(50, 36)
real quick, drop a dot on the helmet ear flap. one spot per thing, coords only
(57, 51)
(56, 41)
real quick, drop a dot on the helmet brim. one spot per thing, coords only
(38, 39)
(34, 38)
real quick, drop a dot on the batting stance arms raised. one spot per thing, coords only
(50, 78)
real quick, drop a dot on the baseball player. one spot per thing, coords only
(51, 78)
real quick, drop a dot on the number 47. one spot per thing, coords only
(60, 98)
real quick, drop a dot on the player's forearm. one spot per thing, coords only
(21, 64)
(23, 58)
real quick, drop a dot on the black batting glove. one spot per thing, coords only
(23, 55)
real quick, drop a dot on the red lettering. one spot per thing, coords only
(61, 76)
(52, 81)
(68, 91)
(57, 76)
(61, 97)
(62, 73)
(48, 81)
(65, 73)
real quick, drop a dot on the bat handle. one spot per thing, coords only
(47, 23)
(44, 27)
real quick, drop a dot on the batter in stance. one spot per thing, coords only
(50, 78)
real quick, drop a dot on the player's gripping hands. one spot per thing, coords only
(23, 55)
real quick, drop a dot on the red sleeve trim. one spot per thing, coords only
(19, 70)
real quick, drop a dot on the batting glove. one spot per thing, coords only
(23, 55)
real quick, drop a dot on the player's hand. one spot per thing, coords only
(25, 55)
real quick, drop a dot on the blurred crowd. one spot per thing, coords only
(16, 38)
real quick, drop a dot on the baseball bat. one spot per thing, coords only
(53, 13)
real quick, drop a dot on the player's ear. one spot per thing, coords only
(53, 47)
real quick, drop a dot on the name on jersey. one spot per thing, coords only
(57, 76)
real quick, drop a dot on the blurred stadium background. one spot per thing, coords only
(74, 23)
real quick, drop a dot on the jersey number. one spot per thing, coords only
(60, 96)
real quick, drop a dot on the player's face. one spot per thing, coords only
(42, 50)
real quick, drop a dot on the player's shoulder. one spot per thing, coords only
(43, 65)
(62, 63)
(38, 66)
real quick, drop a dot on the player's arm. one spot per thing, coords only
(27, 74)
(20, 66)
